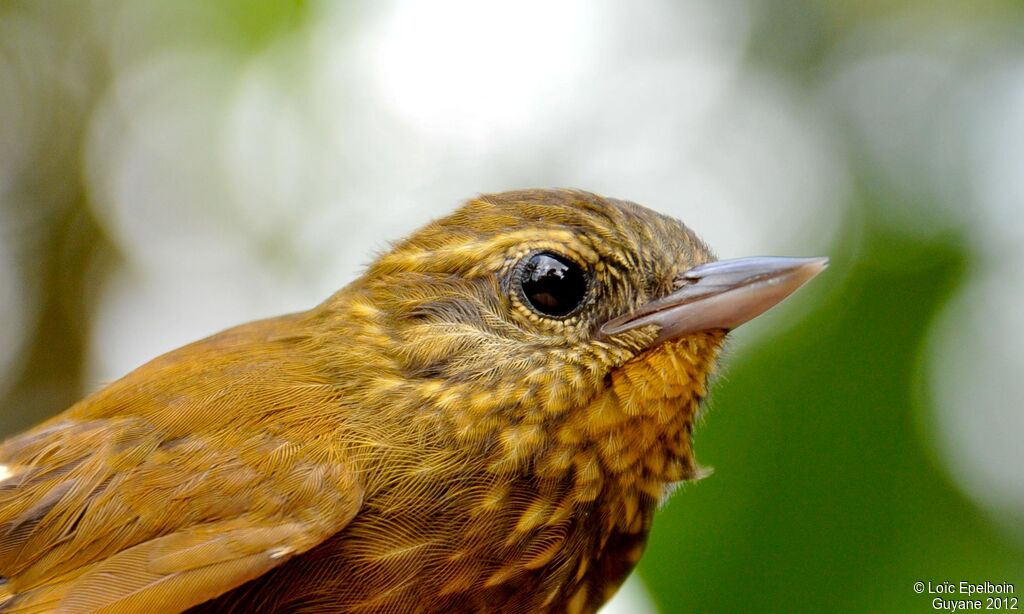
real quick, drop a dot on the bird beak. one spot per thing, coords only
(720, 295)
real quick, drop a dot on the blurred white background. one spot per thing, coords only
(238, 164)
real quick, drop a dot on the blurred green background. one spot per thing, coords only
(170, 169)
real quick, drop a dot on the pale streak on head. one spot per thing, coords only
(5, 473)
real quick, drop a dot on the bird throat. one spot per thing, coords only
(632, 442)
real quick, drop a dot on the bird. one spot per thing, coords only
(486, 419)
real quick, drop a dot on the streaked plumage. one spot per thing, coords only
(422, 441)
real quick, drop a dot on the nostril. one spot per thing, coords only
(685, 278)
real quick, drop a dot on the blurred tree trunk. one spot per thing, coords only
(52, 73)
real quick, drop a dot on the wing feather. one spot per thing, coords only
(188, 477)
(167, 530)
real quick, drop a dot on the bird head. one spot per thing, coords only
(525, 305)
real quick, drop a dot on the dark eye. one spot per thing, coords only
(553, 285)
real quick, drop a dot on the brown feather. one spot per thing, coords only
(421, 441)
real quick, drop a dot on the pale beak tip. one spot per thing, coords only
(813, 266)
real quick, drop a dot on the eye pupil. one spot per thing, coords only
(552, 284)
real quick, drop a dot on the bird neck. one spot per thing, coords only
(633, 441)
(624, 433)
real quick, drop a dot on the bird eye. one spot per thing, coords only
(553, 285)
